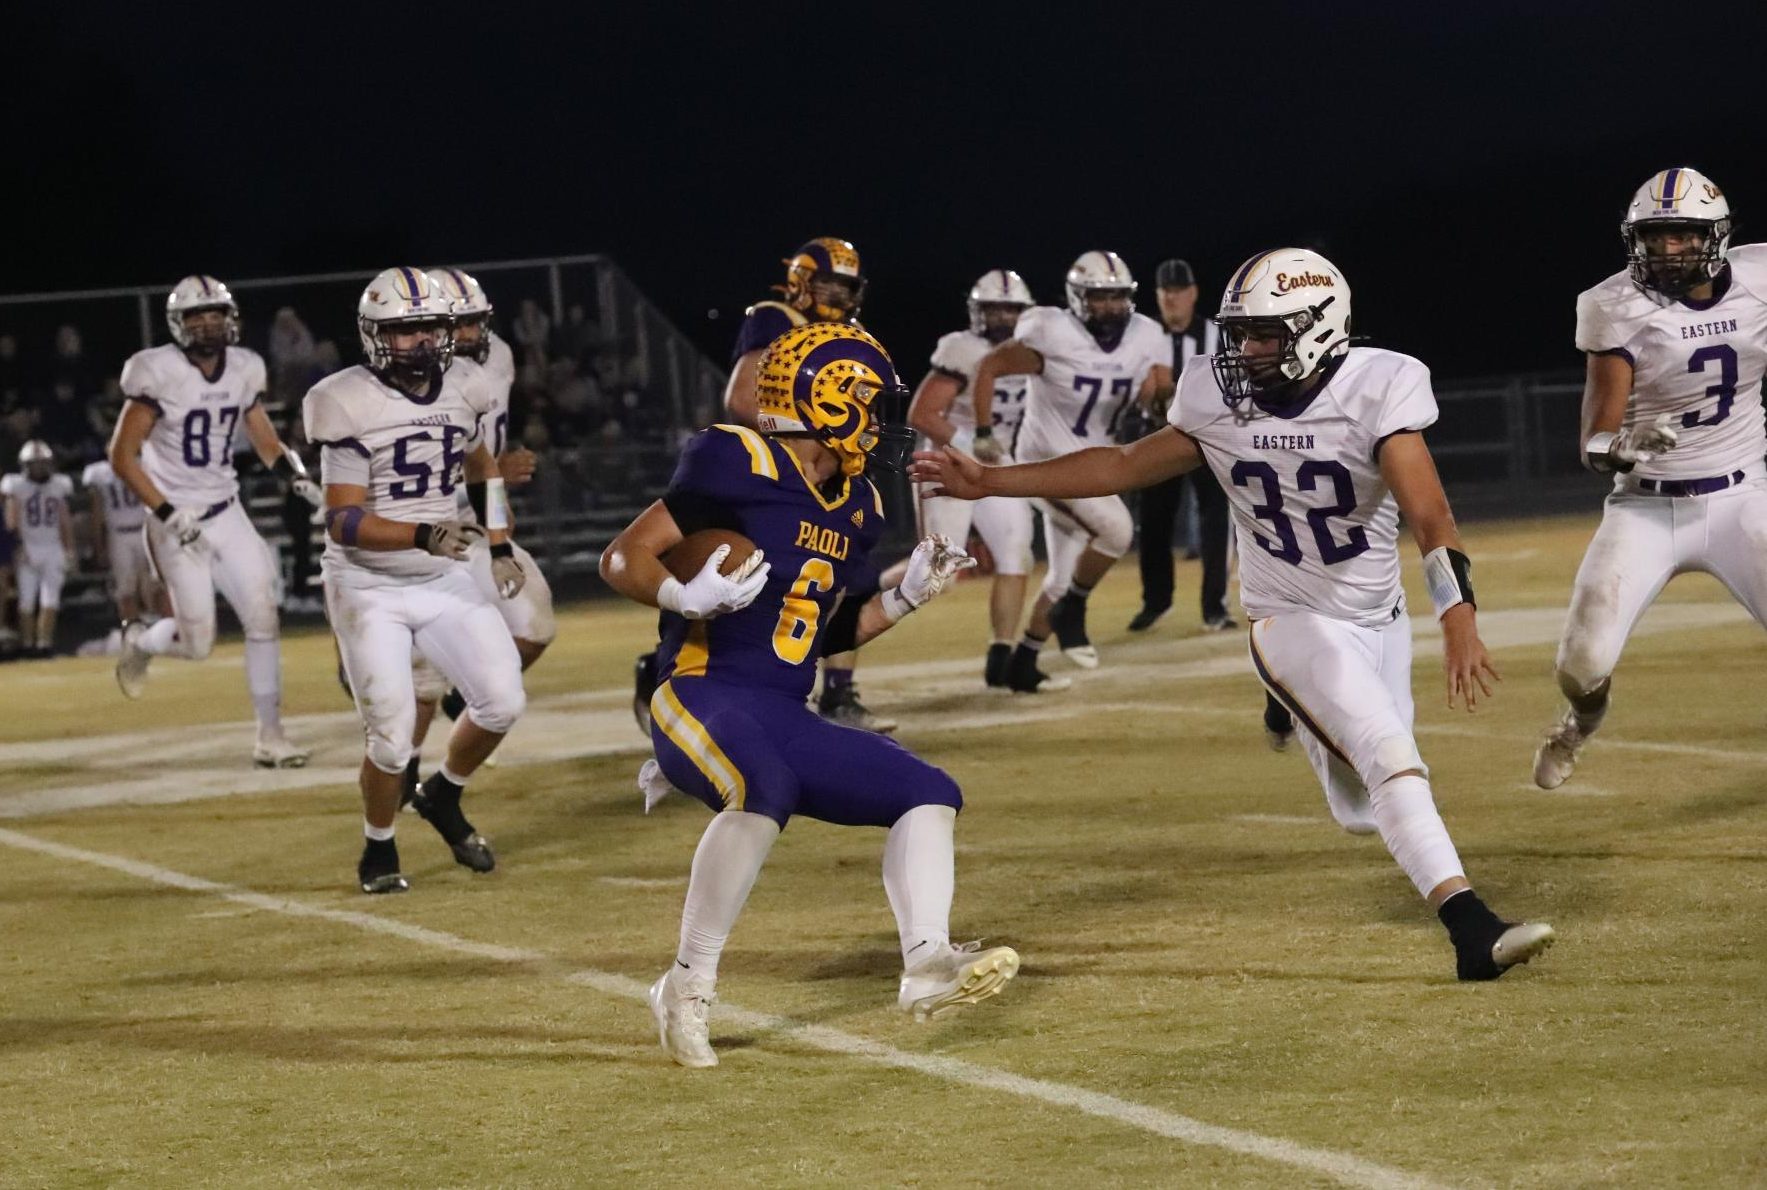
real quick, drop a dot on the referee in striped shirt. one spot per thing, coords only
(1192, 335)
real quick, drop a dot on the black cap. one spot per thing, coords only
(1174, 274)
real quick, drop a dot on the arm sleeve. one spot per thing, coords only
(342, 456)
(92, 475)
(1596, 330)
(948, 361)
(257, 379)
(64, 487)
(8, 484)
(1033, 329)
(137, 382)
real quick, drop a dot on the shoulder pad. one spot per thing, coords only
(761, 459)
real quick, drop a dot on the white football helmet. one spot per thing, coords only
(1676, 198)
(996, 287)
(1291, 294)
(471, 308)
(1092, 272)
(200, 292)
(408, 299)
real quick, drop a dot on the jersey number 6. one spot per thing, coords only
(796, 629)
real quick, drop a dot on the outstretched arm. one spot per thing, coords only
(1011, 358)
(1410, 472)
(1097, 471)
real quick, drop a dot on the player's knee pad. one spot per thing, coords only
(1116, 533)
(1391, 757)
(196, 639)
(259, 620)
(1576, 674)
(389, 753)
(427, 682)
(498, 709)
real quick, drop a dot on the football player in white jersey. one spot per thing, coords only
(1086, 363)
(38, 516)
(944, 413)
(173, 446)
(1676, 347)
(1319, 446)
(396, 436)
(117, 516)
(482, 357)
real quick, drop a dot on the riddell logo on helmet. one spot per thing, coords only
(1286, 282)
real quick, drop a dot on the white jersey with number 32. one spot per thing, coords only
(1074, 402)
(408, 451)
(1318, 527)
(1700, 363)
(189, 452)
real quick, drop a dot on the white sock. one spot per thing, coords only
(920, 876)
(263, 677)
(379, 834)
(1413, 831)
(158, 636)
(725, 867)
(449, 774)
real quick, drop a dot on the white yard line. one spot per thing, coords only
(1343, 1167)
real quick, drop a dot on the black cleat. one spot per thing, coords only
(1067, 616)
(1025, 678)
(998, 670)
(439, 803)
(644, 685)
(840, 704)
(1144, 619)
(378, 869)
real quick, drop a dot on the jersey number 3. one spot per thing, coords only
(1287, 546)
(1724, 390)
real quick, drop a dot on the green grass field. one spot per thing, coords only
(1219, 986)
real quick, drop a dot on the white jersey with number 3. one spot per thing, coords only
(408, 451)
(1074, 402)
(1701, 363)
(1318, 528)
(189, 452)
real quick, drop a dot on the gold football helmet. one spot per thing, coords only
(836, 384)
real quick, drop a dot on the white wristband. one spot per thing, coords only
(496, 504)
(1449, 588)
(895, 604)
(668, 595)
(1599, 454)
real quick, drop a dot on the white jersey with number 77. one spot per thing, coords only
(1075, 401)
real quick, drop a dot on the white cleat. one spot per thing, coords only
(1084, 656)
(956, 977)
(1520, 943)
(652, 784)
(1556, 758)
(274, 751)
(680, 1003)
(132, 661)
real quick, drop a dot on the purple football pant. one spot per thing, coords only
(738, 748)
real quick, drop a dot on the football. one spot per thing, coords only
(688, 556)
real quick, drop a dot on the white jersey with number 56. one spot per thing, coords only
(408, 451)
(1318, 527)
(189, 452)
(1075, 400)
(1701, 363)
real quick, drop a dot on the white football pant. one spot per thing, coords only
(40, 579)
(1644, 541)
(1349, 689)
(229, 557)
(529, 614)
(1071, 527)
(458, 632)
(1002, 522)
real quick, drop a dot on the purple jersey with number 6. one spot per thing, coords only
(816, 541)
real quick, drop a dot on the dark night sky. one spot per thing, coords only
(1466, 171)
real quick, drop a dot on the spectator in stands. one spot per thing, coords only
(291, 356)
(531, 330)
(62, 422)
(579, 338)
(70, 363)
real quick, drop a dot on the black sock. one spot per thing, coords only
(439, 789)
(453, 704)
(1467, 916)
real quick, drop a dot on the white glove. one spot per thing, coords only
(507, 574)
(934, 562)
(449, 539)
(1642, 444)
(186, 526)
(988, 450)
(709, 593)
(309, 491)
